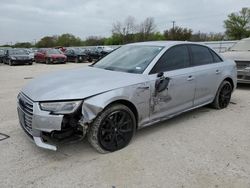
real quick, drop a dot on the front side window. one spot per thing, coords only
(176, 57)
(200, 55)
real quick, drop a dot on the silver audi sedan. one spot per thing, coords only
(133, 87)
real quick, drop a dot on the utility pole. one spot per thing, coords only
(173, 29)
(173, 24)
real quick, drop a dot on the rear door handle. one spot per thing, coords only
(190, 78)
(218, 72)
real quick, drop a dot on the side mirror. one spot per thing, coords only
(161, 83)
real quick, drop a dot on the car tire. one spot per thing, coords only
(223, 95)
(10, 63)
(112, 129)
(89, 59)
(76, 60)
(30, 63)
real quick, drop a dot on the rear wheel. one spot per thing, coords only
(76, 60)
(47, 61)
(223, 96)
(113, 129)
(10, 63)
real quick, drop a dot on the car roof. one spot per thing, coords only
(164, 43)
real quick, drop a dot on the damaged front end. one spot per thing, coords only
(48, 128)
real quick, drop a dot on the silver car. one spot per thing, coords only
(135, 86)
(240, 53)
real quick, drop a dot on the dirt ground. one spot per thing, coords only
(201, 148)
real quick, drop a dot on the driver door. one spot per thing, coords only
(172, 83)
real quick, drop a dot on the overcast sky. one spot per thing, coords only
(29, 20)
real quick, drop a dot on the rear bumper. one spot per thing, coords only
(243, 76)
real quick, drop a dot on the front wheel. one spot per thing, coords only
(113, 129)
(10, 63)
(223, 96)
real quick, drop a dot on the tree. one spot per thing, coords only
(124, 31)
(178, 33)
(94, 41)
(47, 42)
(23, 45)
(68, 40)
(146, 29)
(238, 24)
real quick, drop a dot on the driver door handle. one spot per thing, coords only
(190, 78)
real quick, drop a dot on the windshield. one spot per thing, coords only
(243, 45)
(132, 59)
(54, 51)
(17, 52)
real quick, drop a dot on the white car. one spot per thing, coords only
(240, 53)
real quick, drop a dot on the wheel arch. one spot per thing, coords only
(128, 104)
(230, 80)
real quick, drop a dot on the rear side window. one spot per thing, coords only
(215, 57)
(201, 55)
(176, 57)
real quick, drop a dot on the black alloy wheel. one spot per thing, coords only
(225, 95)
(116, 130)
(112, 129)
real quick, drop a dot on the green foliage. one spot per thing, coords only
(94, 41)
(23, 45)
(68, 40)
(47, 42)
(238, 24)
(178, 33)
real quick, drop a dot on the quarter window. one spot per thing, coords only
(176, 57)
(216, 57)
(201, 55)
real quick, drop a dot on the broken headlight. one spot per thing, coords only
(60, 107)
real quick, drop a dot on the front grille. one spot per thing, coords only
(60, 59)
(242, 64)
(26, 114)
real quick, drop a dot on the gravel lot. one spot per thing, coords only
(201, 148)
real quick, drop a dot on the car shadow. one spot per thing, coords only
(243, 86)
(175, 121)
(83, 148)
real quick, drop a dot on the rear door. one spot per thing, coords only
(207, 70)
(178, 95)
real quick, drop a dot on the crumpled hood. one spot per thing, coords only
(237, 55)
(78, 84)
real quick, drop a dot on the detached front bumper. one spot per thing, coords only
(36, 122)
(243, 75)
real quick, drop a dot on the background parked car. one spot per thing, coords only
(99, 52)
(240, 53)
(1, 56)
(16, 56)
(77, 55)
(49, 56)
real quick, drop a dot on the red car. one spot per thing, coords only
(50, 56)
